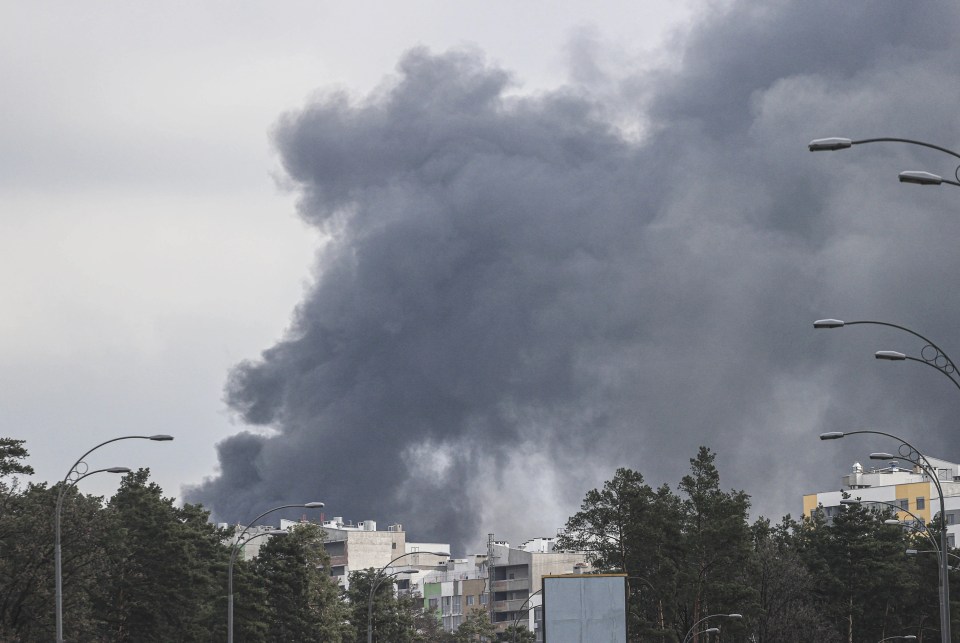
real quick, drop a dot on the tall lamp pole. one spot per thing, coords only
(378, 579)
(236, 547)
(935, 357)
(75, 475)
(910, 453)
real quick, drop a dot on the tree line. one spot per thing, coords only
(692, 552)
(136, 567)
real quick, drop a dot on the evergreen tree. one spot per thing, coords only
(628, 527)
(716, 548)
(163, 564)
(303, 601)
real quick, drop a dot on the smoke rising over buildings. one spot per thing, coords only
(520, 293)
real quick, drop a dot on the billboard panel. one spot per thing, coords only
(585, 608)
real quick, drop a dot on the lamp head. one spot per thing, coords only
(882, 456)
(735, 617)
(160, 438)
(118, 470)
(892, 521)
(831, 435)
(893, 356)
(911, 552)
(920, 178)
(851, 501)
(829, 144)
(712, 630)
(313, 505)
(828, 323)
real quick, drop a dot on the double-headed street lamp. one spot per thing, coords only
(381, 576)
(240, 542)
(913, 176)
(935, 357)
(78, 472)
(911, 454)
(711, 630)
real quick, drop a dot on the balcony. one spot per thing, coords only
(516, 585)
(513, 605)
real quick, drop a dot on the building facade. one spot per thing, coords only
(908, 488)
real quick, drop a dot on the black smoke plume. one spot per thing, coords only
(522, 292)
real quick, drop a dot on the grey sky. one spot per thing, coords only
(517, 289)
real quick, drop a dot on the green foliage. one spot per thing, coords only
(162, 567)
(393, 618)
(11, 453)
(139, 568)
(475, 627)
(303, 601)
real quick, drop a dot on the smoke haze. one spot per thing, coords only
(520, 293)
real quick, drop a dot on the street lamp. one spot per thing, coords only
(910, 453)
(75, 475)
(236, 548)
(711, 630)
(516, 623)
(935, 357)
(916, 177)
(378, 579)
(908, 637)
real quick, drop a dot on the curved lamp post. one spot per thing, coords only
(930, 355)
(516, 622)
(378, 579)
(75, 475)
(236, 547)
(916, 177)
(935, 357)
(910, 453)
(711, 630)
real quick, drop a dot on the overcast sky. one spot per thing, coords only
(451, 264)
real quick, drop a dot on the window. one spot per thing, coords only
(951, 518)
(456, 605)
(433, 604)
(470, 598)
(921, 502)
(904, 503)
(394, 546)
(446, 605)
(483, 599)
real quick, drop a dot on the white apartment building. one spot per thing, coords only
(362, 546)
(901, 484)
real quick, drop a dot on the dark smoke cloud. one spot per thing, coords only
(517, 297)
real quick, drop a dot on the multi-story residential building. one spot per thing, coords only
(362, 546)
(904, 485)
(454, 591)
(516, 577)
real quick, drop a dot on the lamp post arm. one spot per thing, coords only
(516, 622)
(942, 370)
(926, 531)
(906, 140)
(694, 626)
(906, 330)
